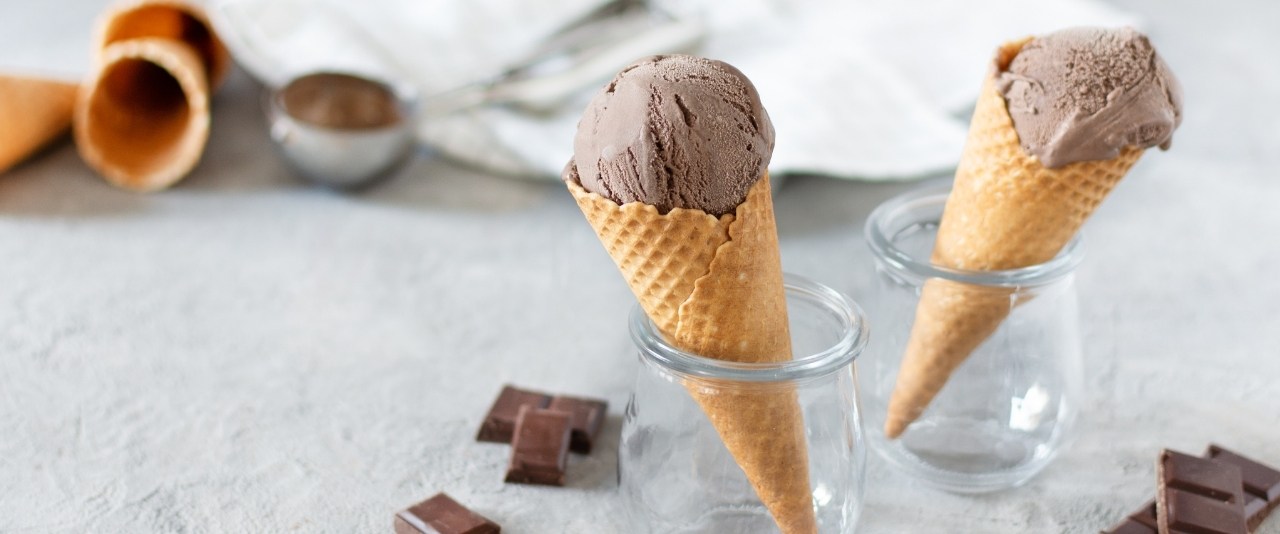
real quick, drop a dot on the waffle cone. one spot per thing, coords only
(1006, 211)
(33, 112)
(142, 118)
(713, 287)
(177, 20)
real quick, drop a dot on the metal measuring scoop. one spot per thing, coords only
(342, 130)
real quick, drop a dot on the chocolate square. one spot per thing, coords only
(587, 418)
(499, 424)
(442, 515)
(1198, 495)
(540, 447)
(1261, 484)
(1190, 512)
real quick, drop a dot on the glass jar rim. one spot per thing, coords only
(654, 347)
(882, 246)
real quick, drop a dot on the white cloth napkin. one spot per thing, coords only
(869, 89)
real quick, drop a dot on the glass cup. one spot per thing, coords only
(1007, 410)
(675, 473)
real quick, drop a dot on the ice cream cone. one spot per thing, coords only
(692, 272)
(142, 118)
(33, 112)
(170, 19)
(1006, 211)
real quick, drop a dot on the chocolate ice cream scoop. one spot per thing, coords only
(674, 132)
(1082, 94)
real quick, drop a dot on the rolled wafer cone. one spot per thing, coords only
(1006, 211)
(142, 118)
(33, 111)
(170, 19)
(713, 287)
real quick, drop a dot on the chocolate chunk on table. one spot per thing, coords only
(1141, 522)
(501, 420)
(442, 515)
(587, 417)
(1261, 484)
(540, 447)
(1198, 495)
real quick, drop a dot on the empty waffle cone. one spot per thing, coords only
(169, 19)
(142, 118)
(1006, 211)
(33, 111)
(692, 273)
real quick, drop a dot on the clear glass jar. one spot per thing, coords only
(1007, 410)
(675, 473)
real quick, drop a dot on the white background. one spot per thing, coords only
(245, 353)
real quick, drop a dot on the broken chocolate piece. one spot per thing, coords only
(540, 447)
(442, 515)
(1261, 484)
(587, 417)
(501, 420)
(1198, 495)
(1141, 522)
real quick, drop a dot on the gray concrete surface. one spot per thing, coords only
(245, 353)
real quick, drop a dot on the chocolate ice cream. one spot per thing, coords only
(674, 132)
(340, 101)
(1082, 94)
